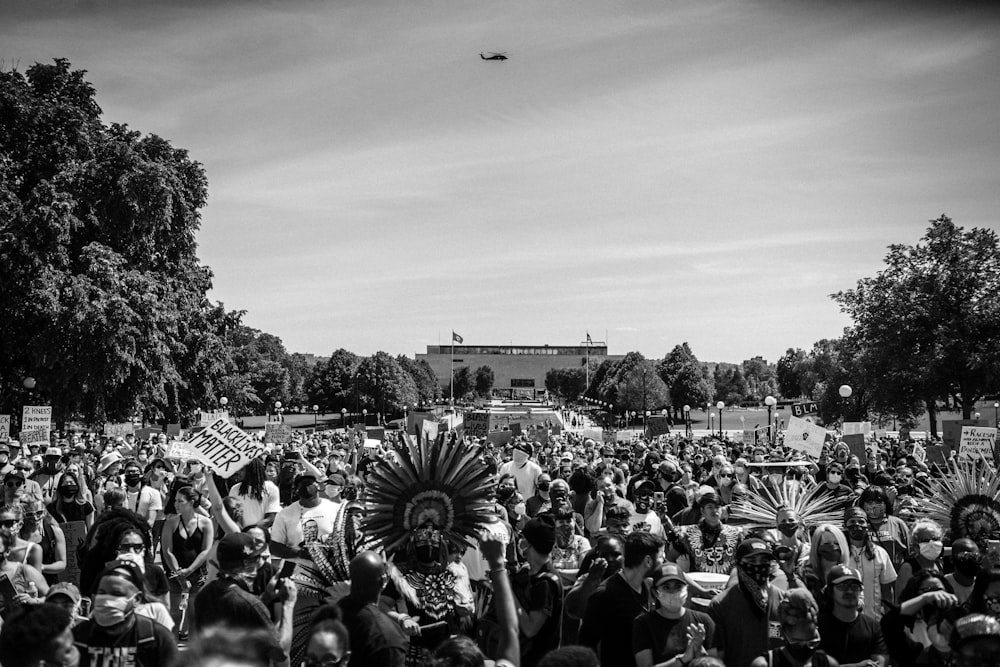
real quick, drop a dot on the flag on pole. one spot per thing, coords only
(588, 338)
(456, 338)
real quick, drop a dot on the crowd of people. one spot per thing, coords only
(333, 550)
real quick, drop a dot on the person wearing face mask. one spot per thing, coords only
(798, 614)
(917, 632)
(307, 521)
(643, 516)
(709, 545)
(669, 482)
(48, 475)
(985, 595)
(540, 502)
(511, 501)
(872, 561)
(70, 504)
(5, 463)
(538, 592)
(888, 531)
(968, 561)
(834, 486)
(927, 544)
(115, 634)
(141, 498)
(746, 616)
(229, 599)
(524, 470)
(333, 489)
(828, 549)
(671, 635)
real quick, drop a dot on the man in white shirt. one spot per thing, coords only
(141, 498)
(644, 517)
(524, 470)
(308, 520)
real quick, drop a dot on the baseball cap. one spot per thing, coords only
(752, 547)
(668, 572)
(4, 449)
(644, 485)
(975, 626)
(64, 588)
(235, 549)
(336, 479)
(566, 456)
(127, 570)
(53, 451)
(841, 573)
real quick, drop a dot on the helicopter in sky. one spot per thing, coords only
(494, 56)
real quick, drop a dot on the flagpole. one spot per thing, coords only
(452, 390)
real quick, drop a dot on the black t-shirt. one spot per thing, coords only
(151, 645)
(608, 620)
(856, 641)
(541, 592)
(226, 601)
(668, 637)
(376, 640)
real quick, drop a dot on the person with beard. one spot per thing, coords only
(671, 635)
(522, 468)
(229, 601)
(846, 633)
(872, 561)
(888, 531)
(968, 561)
(600, 563)
(709, 545)
(607, 622)
(115, 634)
(798, 614)
(747, 622)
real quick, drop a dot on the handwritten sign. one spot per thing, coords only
(4, 426)
(277, 433)
(223, 447)
(75, 533)
(977, 442)
(856, 444)
(206, 418)
(118, 430)
(34, 436)
(36, 422)
(179, 451)
(858, 428)
(805, 436)
(477, 424)
(803, 409)
(657, 426)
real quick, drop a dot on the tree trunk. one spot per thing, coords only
(932, 416)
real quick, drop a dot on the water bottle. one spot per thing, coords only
(184, 601)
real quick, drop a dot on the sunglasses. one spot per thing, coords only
(131, 548)
(725, 475)
(9, 523)
(11, 485)
(849, 586)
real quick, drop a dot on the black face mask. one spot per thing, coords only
(132, 479)
(349, 493)
(544, 486)
(505, 492)
(789, 529)
(968, 564)
(308, 491)
(857, 533)
(760, 573)
(68, 491)
(642, 504)
(801, 652)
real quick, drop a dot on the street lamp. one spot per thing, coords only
(720, 405)
(996, 414)
(343, 418)
(770, 402)
(223, 402)
(711, 422)
(845, 393)
(277, 409)
(977, 415)
(364, 417)
(29, 383)
(645, 421)
(687, 421)
(315, 414)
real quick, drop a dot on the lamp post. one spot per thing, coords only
(343, 418)
(277, 410)
(711, 422)
(720, 405)
(687, 421)
(977, 415)
(845, 393)
(770, 402)
(364, 417)
(645, 421)
(996, 414)
(315, 415)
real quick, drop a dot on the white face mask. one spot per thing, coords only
(834, 478)
(931, 550)
(672, 602)
(111, 610)
(520, 457)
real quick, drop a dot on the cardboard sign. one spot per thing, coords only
(75, 533)
(515, 428)
(657, 426)
(36, 422)
(499, 438)
(477, 424)
(429, 431)
(179, 451)
(978, 442)
(803, 409)
(4, 426)
(118, 430)
(35, 436)
(206, 418)
(224, 448)
(856, 443)
(174, 430)
(277, 433)
(377, 434)
(805, 436)
(920, 454)
(951, 430)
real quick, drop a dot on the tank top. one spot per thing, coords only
(186, 549)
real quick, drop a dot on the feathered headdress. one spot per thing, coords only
(436, 487)
(759, 508)
(965, 498)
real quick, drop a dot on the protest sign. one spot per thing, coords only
(805, 436)
(277, 433)
(119, 430)
(803, 409)
(429, 431)
(499, 438)
(919, 454)
(978, 442)
(206, 418)
(515, 428)
(657, 426)
(179, 451)
(749, 436)
(224, 448)
(951, 430)
(857, 428)
(376, 433)
(4, 426)
(174, 429)
(75, 533)
(35, 436)
(856, 443)
(477, 424)
(36, 422)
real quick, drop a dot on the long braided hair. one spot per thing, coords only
(252, 484)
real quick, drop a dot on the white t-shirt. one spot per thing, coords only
(647, 523)
(524, 476)
(296, 525)
(253, 509)
(143, 501)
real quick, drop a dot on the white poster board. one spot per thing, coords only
(804, 436)
(277, 433)
(36, 422)
(224, 448)
(977, 442)
(4, 426)
(206, 418)
(118, 430)
(857, 428)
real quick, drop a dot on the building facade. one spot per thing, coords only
(519, 370)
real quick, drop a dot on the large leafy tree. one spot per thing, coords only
(634, 384)
(687, 378)
(566, 383)
(484, 379)
(383, 384)
(931, 317)
(331, 385)
(102, 294)
(428, 389)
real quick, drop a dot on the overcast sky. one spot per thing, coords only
(653, 172)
